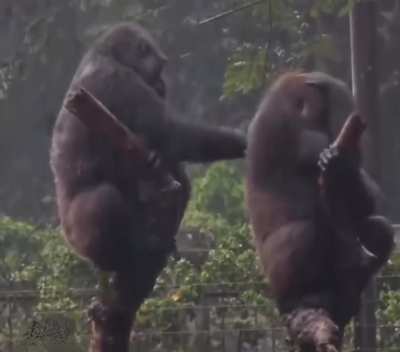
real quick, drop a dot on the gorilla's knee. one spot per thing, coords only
(377, 235)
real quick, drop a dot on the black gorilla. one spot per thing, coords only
(99, 191)
(318, 249)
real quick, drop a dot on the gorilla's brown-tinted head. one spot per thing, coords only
(133, 47)
(321, 101)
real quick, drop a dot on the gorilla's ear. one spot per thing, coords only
(320, 86)
(317, 77)
(319, 80)
(326, 83)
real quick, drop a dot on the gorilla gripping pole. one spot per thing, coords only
(88, 109)
(349, 137)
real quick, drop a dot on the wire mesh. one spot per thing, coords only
(216, 322)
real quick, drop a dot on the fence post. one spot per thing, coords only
(363, 34)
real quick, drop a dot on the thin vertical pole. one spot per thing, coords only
(365, 88)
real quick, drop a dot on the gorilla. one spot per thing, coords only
(99, 190)
(318, 247)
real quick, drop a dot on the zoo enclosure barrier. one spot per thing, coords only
(217, 322)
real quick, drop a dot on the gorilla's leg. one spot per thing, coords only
(297, 263)
(98, 225)
(112, 320)
(377, 235)
(352, 272)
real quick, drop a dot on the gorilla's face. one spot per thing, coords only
(133, 47)
(328, 102)
(149, 60)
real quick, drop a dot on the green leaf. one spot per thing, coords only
(246, 71)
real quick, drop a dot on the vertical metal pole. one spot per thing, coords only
(365, 88)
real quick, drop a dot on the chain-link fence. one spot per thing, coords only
(216, 322)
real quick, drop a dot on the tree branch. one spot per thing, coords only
(230, 12)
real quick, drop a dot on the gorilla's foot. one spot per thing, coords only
(110, 327)
(312, 330)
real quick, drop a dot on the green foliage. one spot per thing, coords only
(36, 259)
(389, 318)
(230, 266)
(19, 245)
(246, 70)
(391, 312)
(220, 194)
(289, 42)
(61, 270)
(218, 206)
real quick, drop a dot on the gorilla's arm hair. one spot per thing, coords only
(348, 190)
(200, 143)
(360, 192)
(144, 112)
(364, 195)
(310, 145)
(351, 193)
